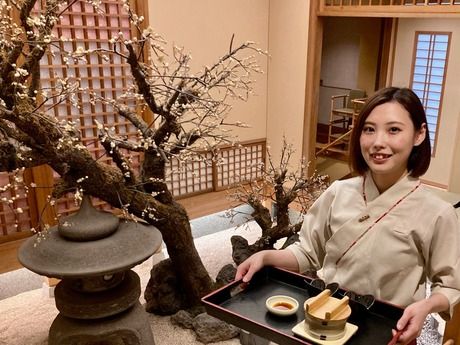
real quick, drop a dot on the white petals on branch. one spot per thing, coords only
(164, 90)
(81, 179)
(20, 72)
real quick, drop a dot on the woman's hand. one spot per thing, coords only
(411, 322)
(250, 266)
(281, 258)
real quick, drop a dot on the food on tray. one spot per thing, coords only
(282, 305)
(326, 316)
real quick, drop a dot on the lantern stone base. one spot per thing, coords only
(130, 328)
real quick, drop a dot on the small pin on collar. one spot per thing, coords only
(363, 218)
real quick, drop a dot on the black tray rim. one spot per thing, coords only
(249, 325)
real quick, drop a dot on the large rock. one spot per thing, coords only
(162, 295)
(184, 318)
(208, 329)
(226, 275)
(240, 249)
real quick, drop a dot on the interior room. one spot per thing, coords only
(307, 70)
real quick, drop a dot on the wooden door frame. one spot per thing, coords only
(313, 75)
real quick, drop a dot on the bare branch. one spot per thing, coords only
(136, 121)
(9, 131)
(11, 158)
(139, 77)
(184, 142)
(37, 50)
(35, 71)
(261, 214)
(62, 187)
(113, 151)
(287, 190)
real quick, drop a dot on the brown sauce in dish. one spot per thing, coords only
(283, 306)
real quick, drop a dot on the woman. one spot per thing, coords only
(382, 232)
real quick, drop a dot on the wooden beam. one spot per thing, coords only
(385, 53)
(392, 52)
(43, 178)
(314, 48)
(392, 11)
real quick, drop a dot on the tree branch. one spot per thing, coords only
(139, 78)
(11, 158)
(113, 151)
(9, 131)
(35, 70)
(167, 127)
(37, 51)
(62, 187)
(261, 214)
(187, 140)
(136, 121)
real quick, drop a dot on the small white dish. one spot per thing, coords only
(282, 305)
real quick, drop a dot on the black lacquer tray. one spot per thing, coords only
(247, 309)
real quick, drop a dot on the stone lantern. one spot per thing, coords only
(92, 252)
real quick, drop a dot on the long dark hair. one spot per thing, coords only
(420, 157)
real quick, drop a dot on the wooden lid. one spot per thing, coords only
(325, 307)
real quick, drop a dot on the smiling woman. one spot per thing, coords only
(393, 104)
(359, 227)
(386, 142)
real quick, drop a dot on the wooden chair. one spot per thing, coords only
(452, 330)
(344, 109)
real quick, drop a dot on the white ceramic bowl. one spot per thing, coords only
(282, 305)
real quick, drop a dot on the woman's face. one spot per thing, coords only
(386, 141)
